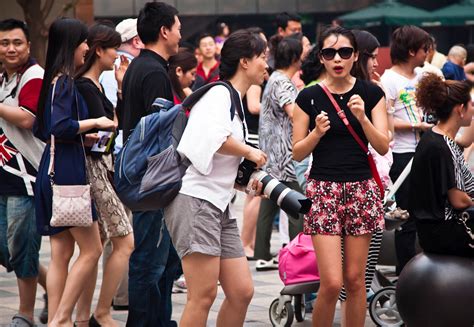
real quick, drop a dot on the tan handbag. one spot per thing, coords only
(71, 203)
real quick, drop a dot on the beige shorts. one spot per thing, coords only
(196, 225)
(114, 217)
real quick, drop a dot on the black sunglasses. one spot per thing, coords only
(330, 53)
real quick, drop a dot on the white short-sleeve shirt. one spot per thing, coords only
(211, 175)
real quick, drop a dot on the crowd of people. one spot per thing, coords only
(304, 113)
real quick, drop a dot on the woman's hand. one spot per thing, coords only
(121, 69)
(254, 188)
(104, 123)
(91, 139)
(322, 124)
(257, 156)
(357, 107)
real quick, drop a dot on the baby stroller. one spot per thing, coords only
(298, 271)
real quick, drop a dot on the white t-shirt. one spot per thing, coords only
(211, 176)
(401, 91)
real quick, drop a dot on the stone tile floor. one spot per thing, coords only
(267, 288)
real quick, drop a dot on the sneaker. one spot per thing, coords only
(179, 285)
(263, 265)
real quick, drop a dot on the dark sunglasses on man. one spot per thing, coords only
(330, 53)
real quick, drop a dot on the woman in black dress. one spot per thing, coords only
(63, 113)
(442, 185)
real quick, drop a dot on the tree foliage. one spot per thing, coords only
(36, 14)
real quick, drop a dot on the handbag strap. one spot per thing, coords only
(53, 147)
(343, 117)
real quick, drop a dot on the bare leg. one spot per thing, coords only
(83, 308)
(236, 281)
(249, 224)
(113, 272)
(62, 249)
(356, 249)
(201, 272)
(343, 314)
(27, 293)
(88, 240)
(42, 276)
(328, 252)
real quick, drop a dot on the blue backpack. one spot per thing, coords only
(148, 169)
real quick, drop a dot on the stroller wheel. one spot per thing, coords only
(383, 308)
(300, 307)
(283, 318)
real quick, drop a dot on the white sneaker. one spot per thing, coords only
(179, 285)
(263, 265)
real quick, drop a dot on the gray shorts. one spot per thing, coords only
(196, 225)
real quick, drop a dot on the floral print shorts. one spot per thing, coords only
(343, 208)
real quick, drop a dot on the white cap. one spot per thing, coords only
(127, 29)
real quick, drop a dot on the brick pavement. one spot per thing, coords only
(267, 288)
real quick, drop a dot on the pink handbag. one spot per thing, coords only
(297, 261)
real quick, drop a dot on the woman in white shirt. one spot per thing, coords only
(200, 224)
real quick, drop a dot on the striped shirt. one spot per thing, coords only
(276, 128)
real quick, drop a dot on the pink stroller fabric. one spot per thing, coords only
(297, 261)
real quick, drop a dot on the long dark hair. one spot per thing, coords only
(367, 43)
(65, 35)
(240, 44)
(337, 31)
(100, 37)
(187, 61)
(311, 67)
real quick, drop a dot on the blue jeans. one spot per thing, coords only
(153, 266)
(300, 169)
(19, 241)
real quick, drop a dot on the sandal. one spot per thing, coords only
(78, 323)
(20, 320)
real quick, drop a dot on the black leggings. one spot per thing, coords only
(405, 236)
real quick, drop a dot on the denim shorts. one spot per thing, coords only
(196, 225)
(19, 240)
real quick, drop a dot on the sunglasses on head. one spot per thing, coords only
(330, 53)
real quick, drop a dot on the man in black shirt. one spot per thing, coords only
(154, 261)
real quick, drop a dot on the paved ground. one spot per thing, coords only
(267, 288)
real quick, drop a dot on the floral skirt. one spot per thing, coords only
(343, 208)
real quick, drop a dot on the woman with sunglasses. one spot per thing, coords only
(347, 204)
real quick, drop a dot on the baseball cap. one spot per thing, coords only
(127, 29)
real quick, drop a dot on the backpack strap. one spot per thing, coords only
(194, 97)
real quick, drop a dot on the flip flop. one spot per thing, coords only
(20, 320)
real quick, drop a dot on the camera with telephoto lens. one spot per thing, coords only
(289, 200)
